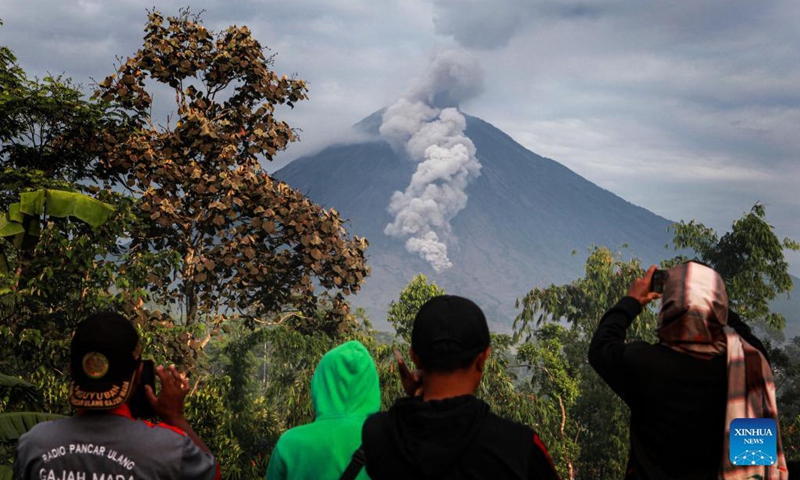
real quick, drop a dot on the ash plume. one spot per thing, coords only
(427, 126)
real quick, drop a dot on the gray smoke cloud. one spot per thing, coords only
(454, 76)
(428, 127)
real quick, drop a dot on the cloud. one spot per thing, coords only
(477, 23)
(452, 78)
(625, 93)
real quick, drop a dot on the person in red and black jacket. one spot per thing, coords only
(443, 431)
(104, 440)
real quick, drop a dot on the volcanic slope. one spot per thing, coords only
(525, 216)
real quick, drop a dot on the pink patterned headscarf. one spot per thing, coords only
(694, 311)
(694, 320)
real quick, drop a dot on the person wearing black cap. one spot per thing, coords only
(443, 430)
(104, 440)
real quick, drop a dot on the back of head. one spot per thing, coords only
(104, 356)
(694, 309)
(448, 334)
(346, 382)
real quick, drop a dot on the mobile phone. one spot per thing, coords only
(140, 406)
(657, 282)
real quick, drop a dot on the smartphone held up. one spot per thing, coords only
(140, 406)
(657, 282)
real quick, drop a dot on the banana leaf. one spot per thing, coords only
(14, 425)
(9, 227)
(59, 203)
(22, 219)
(15, 389)
(14, 214)
(7, 381)
(6, 473)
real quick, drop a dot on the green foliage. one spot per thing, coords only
(401, 316)
(785, 362)
(751, 260)
(553, 390)
(582, 303)
(58, 275)
(49, 134)
(215, 422)
(595, 419)
(412, 297)
(47, 125)
(12, 77)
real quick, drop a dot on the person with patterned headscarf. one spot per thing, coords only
(683, 392)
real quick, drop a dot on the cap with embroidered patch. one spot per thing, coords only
(104, 355)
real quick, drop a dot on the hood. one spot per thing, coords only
(346, 383)
(433, 435)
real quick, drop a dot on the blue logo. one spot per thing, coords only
(753, 441)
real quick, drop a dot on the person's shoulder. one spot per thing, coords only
(162, 428)
(496, 425)
(159, 435)
(380, 420)
(297, 437)
(374, 432)
(518, 441)
(42, 435)
(378, 417)
(638, 350)
(47, 429)
(194, 462)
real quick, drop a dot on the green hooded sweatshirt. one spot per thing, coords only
(344, 391)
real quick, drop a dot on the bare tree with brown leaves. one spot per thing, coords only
(223, 238)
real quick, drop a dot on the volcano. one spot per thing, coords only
(528, 221)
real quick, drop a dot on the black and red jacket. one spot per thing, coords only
(456, 438)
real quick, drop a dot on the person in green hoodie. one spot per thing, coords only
(344, 391)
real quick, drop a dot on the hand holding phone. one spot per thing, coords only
(169, 402)
(641, 288)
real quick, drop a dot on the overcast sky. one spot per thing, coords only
(689, 109)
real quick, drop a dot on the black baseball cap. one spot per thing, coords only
(448, 331)
(104, 355)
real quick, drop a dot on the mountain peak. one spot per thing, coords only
(523, 218)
